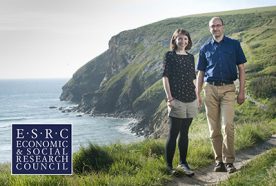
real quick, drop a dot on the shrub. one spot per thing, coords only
(263, 87)
(254, 45)
(92, 158)
(253, 67)
(271, 110)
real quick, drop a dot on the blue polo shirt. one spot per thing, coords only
(219, 60)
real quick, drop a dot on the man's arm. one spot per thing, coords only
(241, 95)
(199, 83)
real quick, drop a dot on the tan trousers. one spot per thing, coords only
(219, 105)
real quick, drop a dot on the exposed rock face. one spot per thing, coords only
(125, 80)
(120, 80)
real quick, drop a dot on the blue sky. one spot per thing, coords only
(54, 38)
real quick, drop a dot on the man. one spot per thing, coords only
(217, 67)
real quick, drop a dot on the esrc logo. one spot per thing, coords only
(42, 149)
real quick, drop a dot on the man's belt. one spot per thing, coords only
(220, 83)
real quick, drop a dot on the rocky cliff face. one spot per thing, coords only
(120, 81)
(125, 80)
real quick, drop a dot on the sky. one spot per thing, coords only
(54, 38)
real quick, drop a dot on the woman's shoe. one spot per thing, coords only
(186, 169)
(172, 171)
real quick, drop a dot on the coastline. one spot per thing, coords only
(134, 119)
(126, 129)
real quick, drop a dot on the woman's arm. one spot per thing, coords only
(167, 89)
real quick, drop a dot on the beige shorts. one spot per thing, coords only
(183, 110)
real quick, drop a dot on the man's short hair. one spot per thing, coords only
(213, 18)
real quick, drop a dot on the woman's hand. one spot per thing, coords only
(170, 103)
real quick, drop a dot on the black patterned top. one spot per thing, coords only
(180, 70)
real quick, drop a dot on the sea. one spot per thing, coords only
(29, 101)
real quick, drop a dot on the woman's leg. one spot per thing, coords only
(183, 140)
(175, 124)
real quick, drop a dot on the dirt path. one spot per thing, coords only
(206, 176)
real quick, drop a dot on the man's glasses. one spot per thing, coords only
(214, 26)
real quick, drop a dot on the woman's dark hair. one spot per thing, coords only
(176, 33)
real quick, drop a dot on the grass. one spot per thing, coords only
(248, 135)
(260, 171)
(142, 163)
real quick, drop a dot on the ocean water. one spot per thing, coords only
(28, 102)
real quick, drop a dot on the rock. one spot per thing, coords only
(126, 79)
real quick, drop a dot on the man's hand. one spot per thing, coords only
(199, 83)
(199, 101)
(240, 98)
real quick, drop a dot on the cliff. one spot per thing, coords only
(125, 80)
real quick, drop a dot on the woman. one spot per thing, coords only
(179, 84)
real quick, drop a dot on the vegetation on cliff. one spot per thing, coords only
(125, 79)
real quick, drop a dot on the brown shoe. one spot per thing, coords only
(219, 167)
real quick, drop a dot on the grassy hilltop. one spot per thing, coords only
(126, 80)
